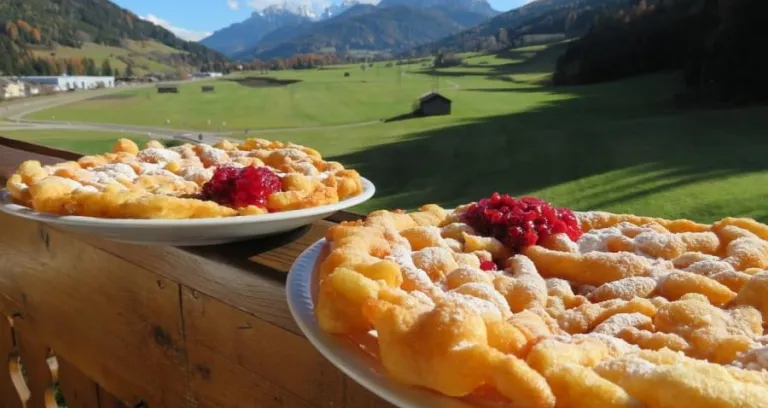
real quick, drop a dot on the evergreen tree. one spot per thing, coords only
(106, 68)
(70, 67)
(90, 67)
(129, 70)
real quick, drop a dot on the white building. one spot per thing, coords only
(207, 75)
(66, 83)
(33, 90)
(11, 88)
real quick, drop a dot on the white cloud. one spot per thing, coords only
(233, 5)
(183, 33)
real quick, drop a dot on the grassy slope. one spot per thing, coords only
(147, 56)
(617, 146)
(86, 142)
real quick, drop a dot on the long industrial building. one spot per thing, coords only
(66, 83)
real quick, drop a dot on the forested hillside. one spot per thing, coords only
(719, 44)
(570, 17)
(40, 24)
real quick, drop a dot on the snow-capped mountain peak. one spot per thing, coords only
(302, 10)
(335, 9)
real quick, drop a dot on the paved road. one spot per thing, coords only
(12, 117)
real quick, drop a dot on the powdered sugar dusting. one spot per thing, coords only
(481, 307)
(87, 189)
(150, 168)
(618, 345)
(306, 168)
(485, 291)
(595, 240)
(157, 155)
(709, 267)
(626, 289)
(755, 359)
(198, 175)
(613, 325)
(431, 258)
(401, 255)
(631, 367)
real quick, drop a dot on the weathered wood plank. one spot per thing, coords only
(39, 149)
(358, 397)
(120, 323)
(218, 383)
(34, 357)
(9, 396)
(79, 391)
(249, 275)
(107, 400)
(217, 331)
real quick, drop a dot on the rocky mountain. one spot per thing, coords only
(241, 36)
(569, 17)
(46, 24)
(335, 9)
(393, 25)
(473, 6)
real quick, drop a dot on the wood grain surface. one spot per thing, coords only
(78, 389)
(34, 357)
(9, 395)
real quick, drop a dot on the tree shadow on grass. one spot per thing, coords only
(625, 128)
(525, 62)
(404, 116)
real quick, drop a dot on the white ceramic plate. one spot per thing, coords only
(301, 290)
(191, 232)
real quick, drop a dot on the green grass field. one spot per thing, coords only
(147, 56)
(619, 146)
(86, 142)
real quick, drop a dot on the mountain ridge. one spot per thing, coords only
(570, 17)
(324, 30)
(238, 37)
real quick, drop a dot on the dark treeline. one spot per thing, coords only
(717, 43)
(300, 61)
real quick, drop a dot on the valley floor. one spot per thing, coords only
(619, 146)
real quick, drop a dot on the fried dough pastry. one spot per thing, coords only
(664, 379)
(159, 182)
(633, 312)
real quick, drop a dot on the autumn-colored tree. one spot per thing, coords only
(61, 67)
(24, 26)
(37, 35)
(12, 30)
(77, 66)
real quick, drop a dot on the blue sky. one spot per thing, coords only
(194, 22)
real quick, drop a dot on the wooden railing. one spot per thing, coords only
(37, 377)
(113, 325)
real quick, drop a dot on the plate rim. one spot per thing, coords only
(8, 207)
(299, 294)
